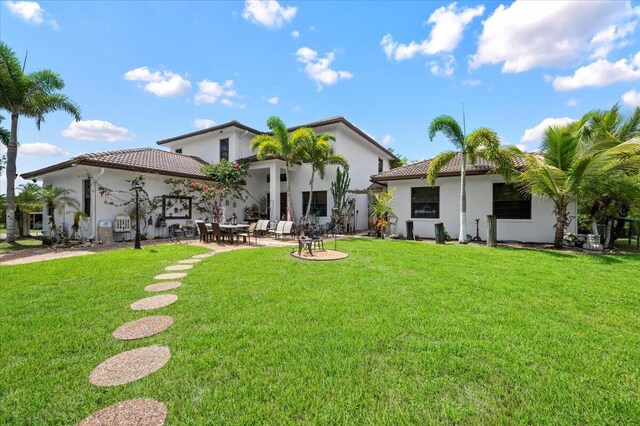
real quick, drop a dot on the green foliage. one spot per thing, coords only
(401, 161)
(382, 206)
(229, 177)
(56, 199)
(339, 190)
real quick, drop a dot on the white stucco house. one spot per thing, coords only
(520, 218)
(183, 156)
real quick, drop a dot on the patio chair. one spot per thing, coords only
(205, 234)
(286, 229)
(262, 227)
(278, 229)
(217, 233)
(251, 232)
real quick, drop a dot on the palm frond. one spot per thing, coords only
(449, 127)
(437, 163)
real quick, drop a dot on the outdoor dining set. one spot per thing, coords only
(233, 232)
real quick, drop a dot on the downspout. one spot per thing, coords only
(95, 205)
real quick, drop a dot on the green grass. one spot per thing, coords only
(399, 332)
(20, 244)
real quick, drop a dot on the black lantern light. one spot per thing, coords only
(137, 188)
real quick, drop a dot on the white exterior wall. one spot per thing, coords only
(540, 228)
(115, 180)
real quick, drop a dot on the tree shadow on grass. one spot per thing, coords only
(606, 259)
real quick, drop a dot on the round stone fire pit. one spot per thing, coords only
(320, 255)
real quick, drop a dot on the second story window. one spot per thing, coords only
(380, 165)
(224, 149)
(178, 150)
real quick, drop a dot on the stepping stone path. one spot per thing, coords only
(139, 411)
(203, 255)
(143, 327)
(154, 302)
(129, 366)
(170, 276)
(167, 285)
(178, 267)
(135, 364)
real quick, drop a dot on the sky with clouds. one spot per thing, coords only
(144, 71)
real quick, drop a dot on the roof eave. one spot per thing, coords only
(209, 130)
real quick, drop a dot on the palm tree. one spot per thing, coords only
(280, 145)
(382, 210)
(481, 143)
(567, 165)
(318, 152)
(56, 199)
(30, 95)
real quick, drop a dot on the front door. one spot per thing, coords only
(283, 205)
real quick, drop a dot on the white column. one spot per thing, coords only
(274, 191)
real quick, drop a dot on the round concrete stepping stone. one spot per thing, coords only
(170, 276)
(204, 255)
(139, 411)
(143, 327)
(154, 302)
(163, 286)
(189, 261)
(129, 366)
(178, 267)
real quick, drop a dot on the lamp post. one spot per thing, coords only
(137, 187)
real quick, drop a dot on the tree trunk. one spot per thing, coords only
(594, 226)
(607, 233)
(306, 216)
(492, 231)
(462, 238)
(12, 152)
(290, 213)
(561, 222)
(53, 229)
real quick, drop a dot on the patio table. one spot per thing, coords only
(233, 229)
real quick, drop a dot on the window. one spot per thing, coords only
(509, 203)
(86, 196)
(318, 203)
(425, 202)
(178, 150)
(283, 177)
(224, 149)
(380, 165)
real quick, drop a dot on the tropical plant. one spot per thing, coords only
(318, 152)
(56, 199)
(481, 143)
(27, 201)
(339, 189)
(568, 164)
(31, 95)
(281, 146)
(78, 216)
(402, 160)
(382, 210)
(5, 135)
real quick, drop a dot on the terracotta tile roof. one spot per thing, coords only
(147, 160)
(419, 169)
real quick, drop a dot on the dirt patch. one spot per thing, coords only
(130, 366)
(138, 412)
(320, 255)
(154, 302)
(178, 268)
(189, 261)
(170, 276)
(167, 285)
(143, 327)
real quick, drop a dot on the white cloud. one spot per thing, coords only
(471, 82)
(268, 13)
(162, 84)
(96, 130)
(210, 92)
(572, 102)
(41, 149)
(449, 24)
(319, 69)
(294, 34)
(537, 132)
(631, 98)
(273, 101)
(387, 140)
(202, 123)
(31, 12)
(529, 34)
(446, 69)
(600, 73)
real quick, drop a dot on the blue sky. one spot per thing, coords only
(144, 71)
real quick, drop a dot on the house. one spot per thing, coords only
(520, 218)
(183, 157)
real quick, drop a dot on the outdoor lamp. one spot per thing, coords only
(137, 187)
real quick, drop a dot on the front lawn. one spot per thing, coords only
(20, 244)
(399, 332)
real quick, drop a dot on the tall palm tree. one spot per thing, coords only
(56, 199)
(280, 145)
(30, 95)
(567, 165)
(318, 152)
(481, 143)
